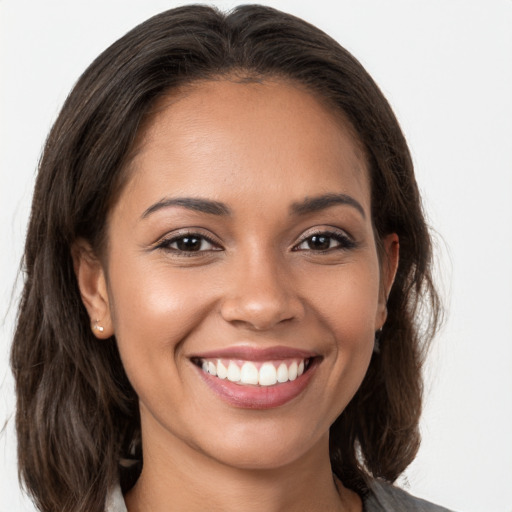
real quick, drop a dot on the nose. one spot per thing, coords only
(261, 295)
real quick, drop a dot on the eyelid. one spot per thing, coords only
(164, 241)
(347, 240)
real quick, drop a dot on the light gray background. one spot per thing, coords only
(446, 67)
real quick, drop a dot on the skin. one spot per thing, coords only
(258, 148)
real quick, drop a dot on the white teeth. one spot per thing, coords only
(249, 374)
(267, 375)
(222, 371)
(212, 368)
(233, 372)
(292, 371)
(282, 373)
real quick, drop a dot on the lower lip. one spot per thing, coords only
(258, 397)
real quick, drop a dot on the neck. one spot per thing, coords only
(177, 477)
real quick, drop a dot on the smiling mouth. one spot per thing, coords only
(255, 373)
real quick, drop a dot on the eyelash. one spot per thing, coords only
(343, 240)
(344, 243)
(166, 243)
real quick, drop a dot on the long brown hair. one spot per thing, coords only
(77, 414)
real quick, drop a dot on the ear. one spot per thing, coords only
(93, 288)
(389, 266)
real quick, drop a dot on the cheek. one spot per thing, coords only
(347, 301)
(348, 307)
(152, 313)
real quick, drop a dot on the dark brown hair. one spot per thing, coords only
(77, 414)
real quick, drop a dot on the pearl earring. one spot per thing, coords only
(98, 327)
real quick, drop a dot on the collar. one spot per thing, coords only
(115, 500)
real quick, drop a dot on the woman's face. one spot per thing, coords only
(242, 248)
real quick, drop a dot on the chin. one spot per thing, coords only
(264, 447)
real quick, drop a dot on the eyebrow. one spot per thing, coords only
(191, 203)
(317, 203)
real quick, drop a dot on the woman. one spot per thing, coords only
(224, 265)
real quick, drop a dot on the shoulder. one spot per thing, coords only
(384, 497)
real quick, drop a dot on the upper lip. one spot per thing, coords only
(248, 353)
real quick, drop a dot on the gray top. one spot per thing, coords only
(383, 497)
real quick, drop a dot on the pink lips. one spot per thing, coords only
(257, 397)
(256, 354)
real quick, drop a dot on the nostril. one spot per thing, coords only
(259, 315)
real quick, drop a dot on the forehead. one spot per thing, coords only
(252, 135)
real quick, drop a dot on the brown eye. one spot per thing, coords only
(319, 242)
(192, 243)
(189, 243)
(326, 241)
